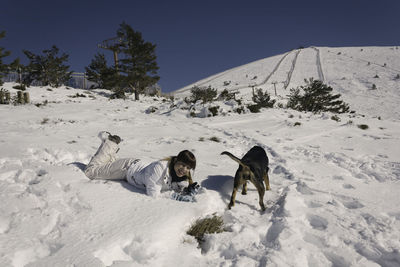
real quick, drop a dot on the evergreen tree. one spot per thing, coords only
(317, 97)
(98, 72)
(3, 53)
(226, 95)
(263, 99)
(205, 94)
(49, 69)
(138, 65)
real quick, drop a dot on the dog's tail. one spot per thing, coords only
(234, 158)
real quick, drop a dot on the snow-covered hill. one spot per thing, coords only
(334, 198)
(350, 71)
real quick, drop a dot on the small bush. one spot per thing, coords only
(201, 139)
(226, 95)
(297, 123)
(240, 110)
(373, 87)
(44, 103)
(397, 77)
(205, 94)
(5, 96)
(209, 225)
(335, 118)
(77, 95)
(151, 109)
(363, 126)
(214, 110)
(21, 87)
(215, 139)
(119, 93)
(254, 108)
(44, 121)
(263, 99)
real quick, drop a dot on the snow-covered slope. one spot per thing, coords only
(334, 198)
(350, 71)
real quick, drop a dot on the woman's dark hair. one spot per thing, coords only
(188, 158)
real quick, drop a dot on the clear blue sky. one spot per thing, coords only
(196, 39)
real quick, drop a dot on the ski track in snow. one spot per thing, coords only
(319, 65)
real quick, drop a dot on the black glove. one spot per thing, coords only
(192, 189)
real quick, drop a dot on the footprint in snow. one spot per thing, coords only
(282, 170)
(272, 238)
(317, 222)
(348, 186)
(53, 222)
(135, 250)
(314, 204)
(29, 255)
(78, 205)
(303, 188)
(4, 224)
(337, 177)
(353, 204)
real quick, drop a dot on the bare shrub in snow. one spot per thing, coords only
(209, 225)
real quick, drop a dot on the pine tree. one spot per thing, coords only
(317, 97)
(205, 94)
(3, 53)
(49, 69)
(138, 65)
(98, 72)
(263, 99)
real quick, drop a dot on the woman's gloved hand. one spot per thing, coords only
(192, 189)
(188, 193)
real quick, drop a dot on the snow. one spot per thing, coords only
(334, 198)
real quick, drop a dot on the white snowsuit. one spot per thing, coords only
(153, 177)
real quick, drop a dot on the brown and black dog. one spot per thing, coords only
(253, 167)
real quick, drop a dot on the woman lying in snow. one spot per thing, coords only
(171, 173)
